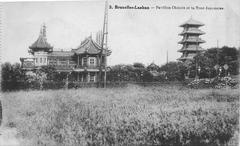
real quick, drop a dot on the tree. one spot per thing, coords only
(147, 76)
(138, 65)
(214, 56)
(51, 73)
(174, 70)
(11, 76)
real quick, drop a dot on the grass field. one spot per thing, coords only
(134, 115)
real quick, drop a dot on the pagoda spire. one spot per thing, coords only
(41, 31)
(44, 30)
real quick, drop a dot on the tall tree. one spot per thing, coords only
(174, 70)
(11, 75)
(220, 56)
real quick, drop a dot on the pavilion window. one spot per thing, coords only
(84, 61)
(40, 60)
(92, 78)
(92, 61)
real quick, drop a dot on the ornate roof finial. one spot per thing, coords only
(41, 43)
(44, 30)
(41, 31)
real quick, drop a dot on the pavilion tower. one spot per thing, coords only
(40, 48)
(191, 40)
(41, 43)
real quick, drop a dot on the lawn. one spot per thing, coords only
(133, 115)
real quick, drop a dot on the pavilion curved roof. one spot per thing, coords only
(88, 46)
(41, 43)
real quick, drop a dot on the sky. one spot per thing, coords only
(133, 35)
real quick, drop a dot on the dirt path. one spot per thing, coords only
(8, 137)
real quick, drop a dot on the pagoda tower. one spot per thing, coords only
(191, 40)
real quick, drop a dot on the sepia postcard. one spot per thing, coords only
(119, 73)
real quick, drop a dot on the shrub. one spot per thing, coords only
(218, 82)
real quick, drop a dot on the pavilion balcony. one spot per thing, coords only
(27, 63)
(93, 68)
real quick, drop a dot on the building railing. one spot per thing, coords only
(28, 64)
(88, 66)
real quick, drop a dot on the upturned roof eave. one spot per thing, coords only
(40, 47)
(185, 50)
(104, 52)
(192, 22)
(198, 33)
(188, 24)
(181, 42)
(185, 58)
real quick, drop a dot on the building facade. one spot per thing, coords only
(83, 62)
(191, 40)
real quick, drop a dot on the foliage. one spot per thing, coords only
(123, 72)
(124, 116)
(138, 65)
(225, 82)
(174, 70)
(11, 74)
(38, 76)
(218, 82)
(51, 73)
(213, 56)
(147, 76)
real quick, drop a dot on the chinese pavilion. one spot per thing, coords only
(82, 62)
(191, 40)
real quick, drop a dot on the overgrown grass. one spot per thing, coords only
(124, 116)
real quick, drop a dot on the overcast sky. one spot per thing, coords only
(134, 35)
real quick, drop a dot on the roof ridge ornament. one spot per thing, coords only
(43, 30)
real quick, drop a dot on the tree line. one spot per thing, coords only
(13, 77)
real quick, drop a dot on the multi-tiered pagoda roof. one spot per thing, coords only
(191, 40)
